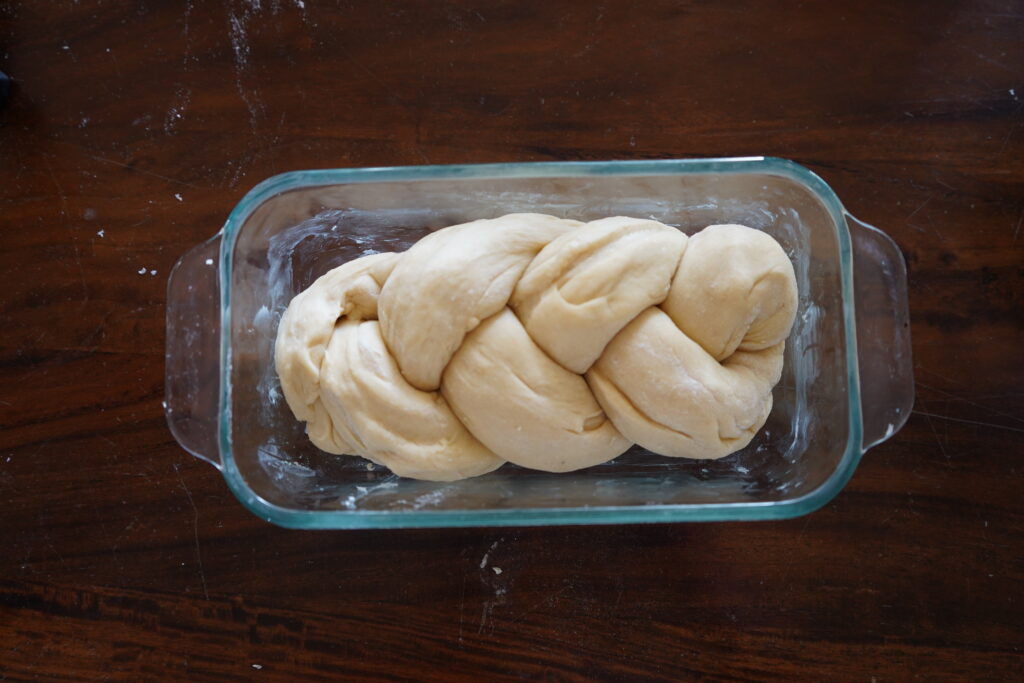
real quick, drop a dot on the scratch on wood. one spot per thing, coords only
(462, 606)
(81, 272)
(931, 425)
(195, 530)
(923, 204)
(143, 171)
(484, 614)
(117, 66)
(64, 213)
(993, 62)
(991, 425)
(1009, 134)
(954, 397)
(60, 189)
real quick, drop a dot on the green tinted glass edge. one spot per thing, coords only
(371, 519)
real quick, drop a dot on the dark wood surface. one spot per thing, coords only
(135, 127)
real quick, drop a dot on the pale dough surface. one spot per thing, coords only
(546, 342)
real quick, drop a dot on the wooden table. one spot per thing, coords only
(134, 128)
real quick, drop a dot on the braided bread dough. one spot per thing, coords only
(545, 342)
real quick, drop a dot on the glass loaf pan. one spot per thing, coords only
(846, 386)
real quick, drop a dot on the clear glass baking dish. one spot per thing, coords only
(846, 386)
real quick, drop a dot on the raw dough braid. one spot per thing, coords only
(549, 343)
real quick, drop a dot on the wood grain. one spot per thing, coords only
(131, 131)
